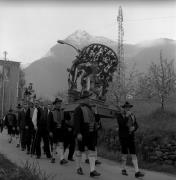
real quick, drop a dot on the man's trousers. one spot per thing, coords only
(42, 134)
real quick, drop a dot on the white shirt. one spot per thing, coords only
(34, 118)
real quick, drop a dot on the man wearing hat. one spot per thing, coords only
(29, 128)
(127, 125)
(23, 126)
(85, 133)
(11, 124)
(56, 130)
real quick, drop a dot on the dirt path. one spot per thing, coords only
(109, 169)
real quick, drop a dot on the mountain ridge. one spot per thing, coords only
(49, 73)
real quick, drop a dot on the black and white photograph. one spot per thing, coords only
(87, 89)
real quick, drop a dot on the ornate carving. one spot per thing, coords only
(94, 67)
(29, 93)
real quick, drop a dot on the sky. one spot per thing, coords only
(29, 29)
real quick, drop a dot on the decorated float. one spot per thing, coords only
(90, 75)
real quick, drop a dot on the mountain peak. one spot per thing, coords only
(80, 32)
(79, 36)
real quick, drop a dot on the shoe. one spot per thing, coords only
(71, 159)
(139, 174)
(87, 161)
(17, 145)
(53, 160)
(63, 161)
(94, 173)
(49, 156)
(97, 162)
(124, 172)
(80, 171)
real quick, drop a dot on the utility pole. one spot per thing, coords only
(5, 55)
(3, 84)
(120, 50)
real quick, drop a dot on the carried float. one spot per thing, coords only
(91, 73)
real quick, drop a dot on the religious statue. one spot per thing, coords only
(93, 68)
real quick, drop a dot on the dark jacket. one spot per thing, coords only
(51, 124)
(124, 123)
(21, 119)
(80, 126)
(42, 116)
(28, 119)
(10, 119)
(68, 122)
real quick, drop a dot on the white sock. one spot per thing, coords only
(96, 154)
(78, 159)
(123, 159)
(54, 151)
(92, 160)
(17, 139)
(135, 162)
(61, 151)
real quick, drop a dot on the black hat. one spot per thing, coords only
(57, 100)
(19, 106)
(85, 94)
(127, 105)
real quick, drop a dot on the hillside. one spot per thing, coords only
(49, 73)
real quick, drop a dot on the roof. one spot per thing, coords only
(9, 62)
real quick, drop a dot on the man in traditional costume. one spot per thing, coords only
(85, 133)
(57, 131)
(11, 124)
(127, 126)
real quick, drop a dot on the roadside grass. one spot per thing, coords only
(116, 156)
(10, 171)
(151, 120)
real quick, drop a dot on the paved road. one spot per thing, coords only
(109, 169)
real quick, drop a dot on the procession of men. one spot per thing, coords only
(39, 128)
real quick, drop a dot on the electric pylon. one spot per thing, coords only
(120, 51)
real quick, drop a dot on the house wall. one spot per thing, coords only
(11, 79)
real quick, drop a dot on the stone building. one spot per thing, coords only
(9, 79)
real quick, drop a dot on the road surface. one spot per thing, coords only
(109, 170)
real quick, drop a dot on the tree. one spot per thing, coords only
(163, 78)
(144, 87)
(160, 80)
(122, 89)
